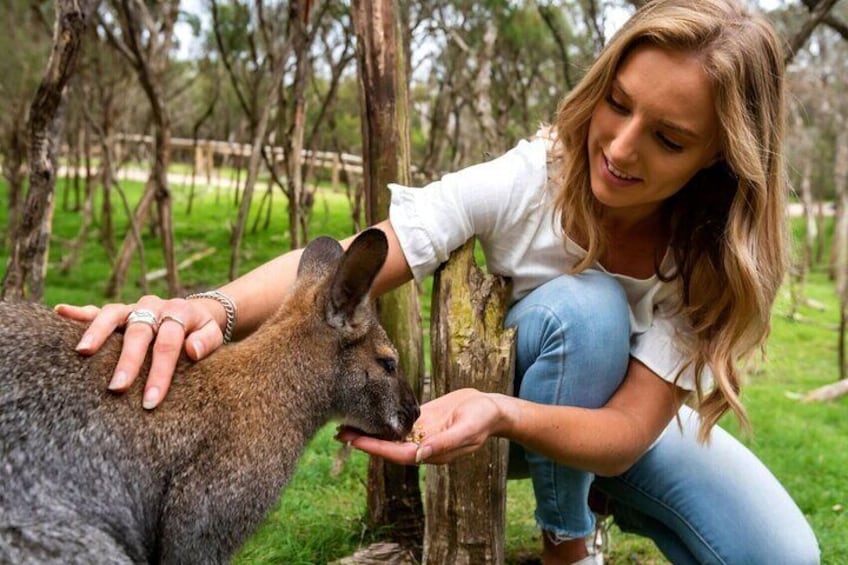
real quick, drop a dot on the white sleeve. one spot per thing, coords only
(662, 348)
(480, 200)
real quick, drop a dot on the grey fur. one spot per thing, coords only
(88, 476)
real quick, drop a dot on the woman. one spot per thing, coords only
(646, 243)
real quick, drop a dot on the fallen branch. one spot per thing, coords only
(828, 392)
(159, 273)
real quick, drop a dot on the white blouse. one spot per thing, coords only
(508, 204)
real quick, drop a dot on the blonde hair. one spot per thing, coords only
(727, 224)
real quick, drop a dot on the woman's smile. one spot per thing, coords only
(655, 128)
(615, 175)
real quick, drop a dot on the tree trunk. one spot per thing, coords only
(818, 12)
(252, 174)
(801, 265)
(840, 240)
(132, 241)
(28, 256)
(259, 115)
(298, 206)
(201, 156)
(107, 170)
(145, 41)
(466, 500)
(86, 213)
(437, 136)
(394, 497)
(14, 170)
(482, 88)
(164, 204)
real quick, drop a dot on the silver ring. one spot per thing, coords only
(142, 316)
(172, 318)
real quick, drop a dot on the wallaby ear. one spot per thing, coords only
(321, 255)
(354, 276)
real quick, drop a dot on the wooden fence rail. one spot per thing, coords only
(205, 152)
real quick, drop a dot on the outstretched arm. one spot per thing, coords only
(605, 441)
(197, 325)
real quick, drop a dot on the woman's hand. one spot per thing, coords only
(452, 425)
(179, 323)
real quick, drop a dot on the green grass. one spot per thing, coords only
(321, 516)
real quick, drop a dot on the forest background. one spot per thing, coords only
(192, 141)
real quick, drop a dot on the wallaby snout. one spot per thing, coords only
(378, 400)
(89, 476)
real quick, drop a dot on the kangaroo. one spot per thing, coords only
(88, 476)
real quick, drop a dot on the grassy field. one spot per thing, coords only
(321, 515)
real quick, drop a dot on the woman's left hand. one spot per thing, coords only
(452, 425)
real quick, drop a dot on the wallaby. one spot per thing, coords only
(88, 476)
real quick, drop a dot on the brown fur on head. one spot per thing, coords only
(370, 393)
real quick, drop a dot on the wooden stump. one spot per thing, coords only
(466, 500)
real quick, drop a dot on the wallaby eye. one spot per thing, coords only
(388, 364)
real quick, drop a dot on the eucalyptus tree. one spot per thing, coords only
(257, 43)
(832, 71)
(495, 71)
(103, 103)
(143, 34)
(27, 265)
(333, 55)
(332, 112)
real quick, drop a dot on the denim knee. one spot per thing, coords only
(573, 340)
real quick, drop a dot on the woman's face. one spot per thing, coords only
(654, 130)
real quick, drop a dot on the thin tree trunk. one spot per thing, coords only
(817, 13)
(107, 175)
(394, 497)
(86, 213)
(146, 44)
(73, 169)
(482, 87)
(821, 243)
(298, 212)
(253, 167)
(14, 170)
(840, 240)
(196, 151)
(132, 240)
(437, 136)
(802, 264)
(548, 14)
(164, 203)
(29, 249)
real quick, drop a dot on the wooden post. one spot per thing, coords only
(466, 500)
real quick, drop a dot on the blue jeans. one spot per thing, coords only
(714, 503)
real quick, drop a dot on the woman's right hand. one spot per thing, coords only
(181, 323)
